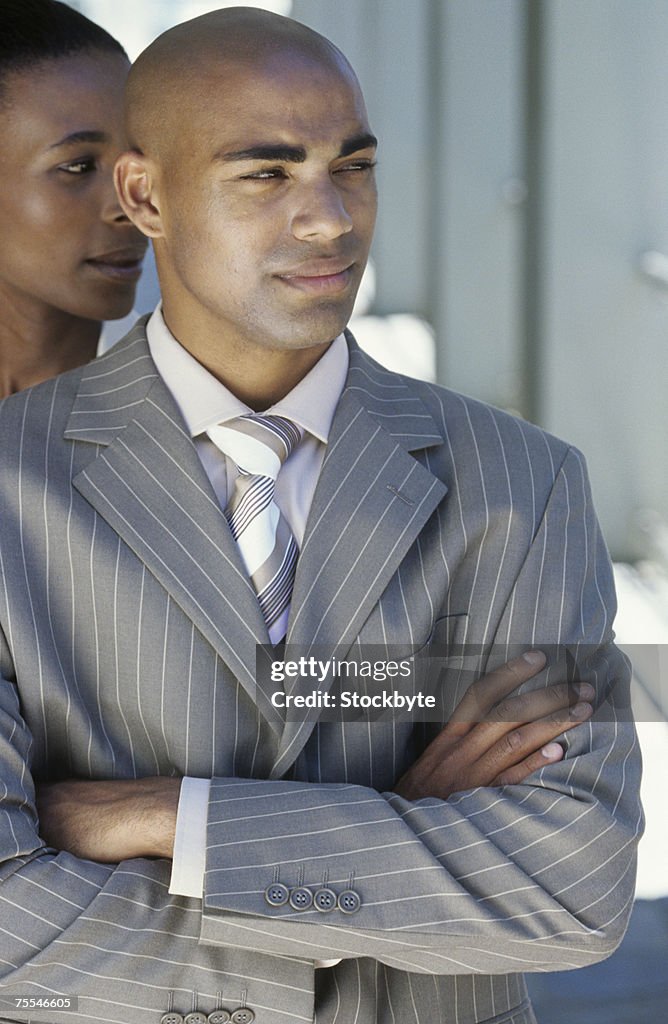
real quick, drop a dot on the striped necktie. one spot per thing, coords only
(259, 445)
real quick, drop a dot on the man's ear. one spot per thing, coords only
(134, 178)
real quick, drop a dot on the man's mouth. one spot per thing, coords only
(319, 277)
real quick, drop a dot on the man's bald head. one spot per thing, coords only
(252, 170)
(174, 74)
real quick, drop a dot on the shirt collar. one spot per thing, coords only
(204, 401)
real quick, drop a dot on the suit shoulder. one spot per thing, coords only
(480, 440)
(457, 412)
(463, 418)
(469, 427)
(499, 460)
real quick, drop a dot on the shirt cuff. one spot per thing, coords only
(189, 859)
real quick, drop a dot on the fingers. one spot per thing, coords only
(494, 752)
(549, 754)
(559, 699)
(522, 750)
(497, 736)
(483, 695)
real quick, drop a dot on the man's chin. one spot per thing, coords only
(319, 327)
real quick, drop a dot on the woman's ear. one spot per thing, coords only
(134, 178)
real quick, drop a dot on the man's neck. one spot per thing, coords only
(258, 376)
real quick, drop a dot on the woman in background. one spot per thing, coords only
(69, 257)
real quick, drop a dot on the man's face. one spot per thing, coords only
(66, 243)
(267, 207)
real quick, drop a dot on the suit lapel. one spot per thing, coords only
(372, 500)
(148, 483)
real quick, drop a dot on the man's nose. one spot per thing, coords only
(321, 213)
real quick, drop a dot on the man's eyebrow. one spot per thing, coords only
(282, 153)
(76, 138)
(294, 154)
(357, 142)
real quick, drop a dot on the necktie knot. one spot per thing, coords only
(258, 444)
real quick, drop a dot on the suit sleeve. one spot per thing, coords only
(538, 876)
(109, 935)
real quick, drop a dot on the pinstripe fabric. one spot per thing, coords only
(127, 647)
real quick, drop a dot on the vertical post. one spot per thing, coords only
(436, 27)
(531, 398)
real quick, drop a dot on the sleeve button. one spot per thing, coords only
(301, 898)
(195, 1018)
(218, 1017)
(325, 900)
(277, 894)
(171, 1018)
(243, 1015)
(349, 901)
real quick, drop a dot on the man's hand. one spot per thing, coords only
(494, 739)
(110, 821)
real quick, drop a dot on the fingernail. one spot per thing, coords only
(534, 657)
(586, 691)
(552, 751)
(581, 710)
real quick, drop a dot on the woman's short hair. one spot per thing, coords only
(33, 32)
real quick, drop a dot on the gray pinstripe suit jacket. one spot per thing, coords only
(127, 648)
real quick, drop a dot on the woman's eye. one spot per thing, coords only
(83, 166)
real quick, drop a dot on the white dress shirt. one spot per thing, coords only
(203, 401)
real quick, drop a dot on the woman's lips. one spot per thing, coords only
(121, 265)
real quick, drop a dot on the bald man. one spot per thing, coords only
(236, 473)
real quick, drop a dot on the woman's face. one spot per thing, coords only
(65, 243)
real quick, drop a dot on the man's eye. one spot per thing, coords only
(83, 166)
(358, 165)
(264, 175)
